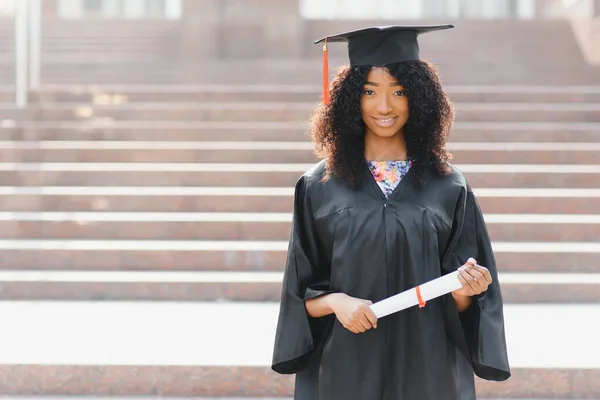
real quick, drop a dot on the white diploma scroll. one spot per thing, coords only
(430, 290)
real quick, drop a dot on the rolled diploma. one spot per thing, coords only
(430, 290)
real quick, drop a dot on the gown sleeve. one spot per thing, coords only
(306, 276)
(480, 329)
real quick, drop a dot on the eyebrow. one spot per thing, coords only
(377, 84)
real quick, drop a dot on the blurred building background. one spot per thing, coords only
(200, 41)
(148, 153)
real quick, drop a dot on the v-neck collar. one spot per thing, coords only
(398, 190)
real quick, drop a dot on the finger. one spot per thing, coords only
(466, 276)
(471, 283)
(461, 278)
(466, 289)
(483, 277)
(360, 321)
(478, 276)
(364, 321)
(368, 313)
(486, 273)
(357, 323)
(481, 284)
(371, 317)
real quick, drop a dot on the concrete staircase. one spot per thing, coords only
(150, 225)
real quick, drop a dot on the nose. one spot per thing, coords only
(384, 107)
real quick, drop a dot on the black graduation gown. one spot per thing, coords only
(357, 242)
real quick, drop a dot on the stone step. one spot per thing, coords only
(242, 286)
(105, 69)
(271, 175)
(76, 67)
(202, 349)
(113, 94)
(276, 131)
(262, 199)
(277, 111)
(275, 152)
(249, 256)
(257, 226)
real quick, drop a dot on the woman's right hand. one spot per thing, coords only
(353, 313)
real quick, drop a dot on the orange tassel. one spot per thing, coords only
(325, 74)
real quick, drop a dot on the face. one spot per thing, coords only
(383, 105)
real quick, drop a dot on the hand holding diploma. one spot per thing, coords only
(475, 279)
(354, 314)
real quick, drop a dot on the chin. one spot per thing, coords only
(387, 133)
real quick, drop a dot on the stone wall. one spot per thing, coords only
(241, 28)
(584, 16)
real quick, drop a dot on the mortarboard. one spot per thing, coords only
(379, 45)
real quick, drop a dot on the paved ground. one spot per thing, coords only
(183, 398)
(84, 333)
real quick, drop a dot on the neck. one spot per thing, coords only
(378, 148)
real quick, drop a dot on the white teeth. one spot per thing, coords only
(385, 122)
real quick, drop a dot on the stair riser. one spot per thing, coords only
(247, 261)
(270, 292)
(108, 96)
(133, 203)
(279, 156)
(201, 114)
(267, 179)
(90, 132)
(526, 232)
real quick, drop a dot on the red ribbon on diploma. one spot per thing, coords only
(420, 298)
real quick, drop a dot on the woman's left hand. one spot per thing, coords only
(474, 278)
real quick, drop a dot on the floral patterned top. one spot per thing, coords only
(388, 174)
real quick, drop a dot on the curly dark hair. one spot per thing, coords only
(338, 129)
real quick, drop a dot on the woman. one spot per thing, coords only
(382, 213)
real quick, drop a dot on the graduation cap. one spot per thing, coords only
(378, 45)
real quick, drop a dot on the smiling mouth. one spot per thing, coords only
(385, 122)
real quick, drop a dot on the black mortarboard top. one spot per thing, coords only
(378, 45)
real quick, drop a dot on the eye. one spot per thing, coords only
(399, 93)
(368, 92)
